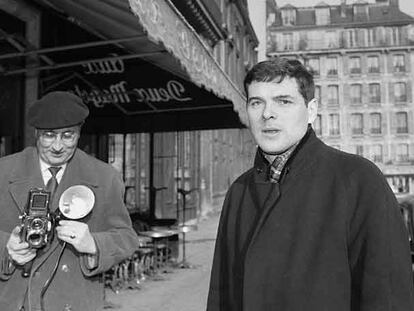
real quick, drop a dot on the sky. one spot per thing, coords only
(407, 6)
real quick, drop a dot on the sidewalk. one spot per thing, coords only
(183, 289)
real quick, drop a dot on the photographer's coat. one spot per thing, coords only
(74, 286)
(329, 237)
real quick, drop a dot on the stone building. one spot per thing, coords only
(362, 57)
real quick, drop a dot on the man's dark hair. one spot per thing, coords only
(275, 70)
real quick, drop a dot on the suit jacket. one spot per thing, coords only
(329, 236)
(74, 287)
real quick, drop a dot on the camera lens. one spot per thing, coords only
(37, 224)
(35, 239)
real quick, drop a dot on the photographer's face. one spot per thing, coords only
(56, 147)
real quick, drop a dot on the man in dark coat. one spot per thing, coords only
(308, 227)
(65, 274)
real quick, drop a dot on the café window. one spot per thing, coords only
(356, 94)
(374, 90)
(333, 95)
(317, 125)
(357, 124)
(376, 153)
(400, 92)
(313, 65)
(398, 62)
(402, 153)
(332, 66)
(355, 65)
(402, 122)
(373, 64)
(334, 128)
(375, 123)
(288, 41)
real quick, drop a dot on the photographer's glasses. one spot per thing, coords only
(49, 137)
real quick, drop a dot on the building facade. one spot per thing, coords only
(361, 55)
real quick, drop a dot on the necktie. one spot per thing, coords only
(52, 183)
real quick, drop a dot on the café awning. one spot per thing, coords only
(160, 36)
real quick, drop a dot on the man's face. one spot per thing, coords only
(56, 147)
(278, 115)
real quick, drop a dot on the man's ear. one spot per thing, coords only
(312, 110)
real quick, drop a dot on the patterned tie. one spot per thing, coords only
(52, 183)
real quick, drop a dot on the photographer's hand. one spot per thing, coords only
(78, 234)
(19, 250)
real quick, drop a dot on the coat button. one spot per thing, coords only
(67, 307)
(65, 268)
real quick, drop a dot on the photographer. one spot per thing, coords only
(65, 273)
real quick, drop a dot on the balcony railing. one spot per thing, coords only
(402, 130)
(373, 70)
(375, 130)
(355, 70)
(357, 131)
(374, 99)
(332, 72)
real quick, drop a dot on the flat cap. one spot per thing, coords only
(57, 110)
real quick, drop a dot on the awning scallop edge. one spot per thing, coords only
(164, 24)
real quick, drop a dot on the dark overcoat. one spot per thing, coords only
(329, 237)
(74, 286)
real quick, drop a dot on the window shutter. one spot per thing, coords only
(345, 65)
(393, 119)
(391, 93)
(409, 90)
(346, 95)
(389, 58)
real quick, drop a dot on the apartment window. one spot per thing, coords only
(376, 153)
(402, 122)
(318, 125)
(334, 124)
(359, 150)
(375, 123)
(288, 41)
(322, 16)
(374, 90)
(313, 65)
(355, 65)
(372, 37)
(400, 92)
(332, 66)
(356, 94)
(331, 39)
(357, 124)
(395, 35)
(332, 95)
(353, 37)
(398, 63)
(373, 64)
(318, 95)
(402, 153)
(288, 17)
